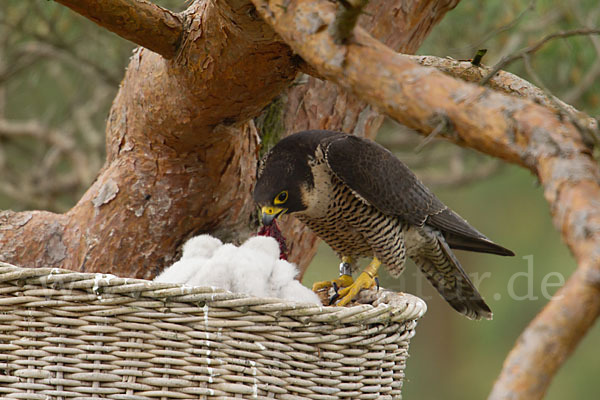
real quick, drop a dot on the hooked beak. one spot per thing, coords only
(270, 213)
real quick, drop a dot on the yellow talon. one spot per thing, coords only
(342, 281)
(365, 280)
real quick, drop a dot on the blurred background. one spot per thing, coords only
(59, 74)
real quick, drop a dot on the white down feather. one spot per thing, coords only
(254, 268)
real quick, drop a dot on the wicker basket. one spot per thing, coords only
(67, 335)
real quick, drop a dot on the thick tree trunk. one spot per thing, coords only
(181, 148)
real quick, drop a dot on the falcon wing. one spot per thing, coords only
(377, 176)
(380, 178)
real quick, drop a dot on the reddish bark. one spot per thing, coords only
(318, 104)
(180, 157)
(516, 130)
(142, 22)
(505, 82)
(181, 154)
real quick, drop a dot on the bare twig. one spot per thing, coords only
(589, 133)
(458, 175)
(36, 188)
(49, 46)
(476, 61)
(594, 71)
(443, 165)
(506, 27)
(20, 63)
(346, 18)
(505, 61)
(33, 128)
(440, 127)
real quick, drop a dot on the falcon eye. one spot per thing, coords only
(281, 197)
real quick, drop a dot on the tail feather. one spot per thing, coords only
(480, 245)
(443, 271)
(460, 235)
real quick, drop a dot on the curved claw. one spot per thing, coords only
(342, 281)
(336, 295)
(335, 286)
(364, 281)
(334, 298)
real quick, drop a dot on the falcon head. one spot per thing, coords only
(282, 177)
(285, 179)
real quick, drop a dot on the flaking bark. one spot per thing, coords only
(319, 104)
(181, 148)
(513, 129)
(182, 151)
(142, 22)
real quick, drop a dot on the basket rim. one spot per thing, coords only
(388, 307)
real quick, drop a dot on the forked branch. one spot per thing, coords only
(141, 22)
(504, 62)
(513, 129)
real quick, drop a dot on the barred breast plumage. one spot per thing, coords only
(349, 225)
(364, 202)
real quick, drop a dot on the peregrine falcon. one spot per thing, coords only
(364, 202)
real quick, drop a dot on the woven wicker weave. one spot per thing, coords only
(67, 335)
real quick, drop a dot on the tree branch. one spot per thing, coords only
(504, 62)
(318, 104)
(406, 91)
(509, 83)
(513, 129)
(503, 28)
(553, 334)
(181, 153)
(141, 22)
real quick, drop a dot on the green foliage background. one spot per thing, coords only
(452, 357)
(53, 62)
